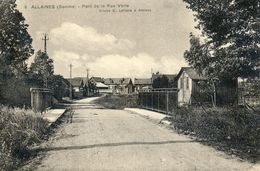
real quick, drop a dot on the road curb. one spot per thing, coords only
(51, 123)
(150, 117)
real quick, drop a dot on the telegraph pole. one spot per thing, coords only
(70, 83)
(152, 77)
(70, 70)
(46, 81)
(87, 82)
(45, 39)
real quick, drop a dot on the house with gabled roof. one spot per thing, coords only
(78, 86)
(120, 85)
(142, 83)
(99, 85)
(96, 79)
(127, 86)
(113, 84)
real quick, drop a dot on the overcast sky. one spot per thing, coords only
(112, 44)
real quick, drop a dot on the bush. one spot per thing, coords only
(118, 101)
(234, 128)
(111, 101)
(19, 129)
(132, 100)
(15, 95)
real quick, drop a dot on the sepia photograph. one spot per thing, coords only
(129, 85)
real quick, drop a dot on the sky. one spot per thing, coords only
(111, 38)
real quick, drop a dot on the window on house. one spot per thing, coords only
(182, 83)
(187, 83)
(76, 89)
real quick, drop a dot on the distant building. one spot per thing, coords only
(78, 87)
(96, 80)
(98, 85)
(113, 84)
(127, 86)
(142, 83)
(102, 88)
(120, 85)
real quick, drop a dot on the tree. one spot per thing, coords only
(59, 86)
(15, 41)
(15, 49)
(230, 29)
(199, 58)
(41, 69)
(161, 82)
(198, 55)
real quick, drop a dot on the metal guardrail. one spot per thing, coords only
(162, 100)
(160, 90)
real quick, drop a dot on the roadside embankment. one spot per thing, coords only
(21, 130)
(235, 131)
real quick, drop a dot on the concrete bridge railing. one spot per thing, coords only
(41, 99)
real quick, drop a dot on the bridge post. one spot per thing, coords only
(41, 99)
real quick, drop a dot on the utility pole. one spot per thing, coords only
(70, 83)
(70, 70)
(87, 82)
(151, 77)
(46, 81)
(45, 39)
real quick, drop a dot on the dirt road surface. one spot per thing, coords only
(103, 139)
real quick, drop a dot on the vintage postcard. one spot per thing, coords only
(129, 85)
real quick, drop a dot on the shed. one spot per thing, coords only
(193, 89)
(187, 83)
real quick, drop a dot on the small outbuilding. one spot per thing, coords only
(187, 84)
(193, 89)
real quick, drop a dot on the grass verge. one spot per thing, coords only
(233, 130)
(20, 129)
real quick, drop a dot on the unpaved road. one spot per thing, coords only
(103, 139)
